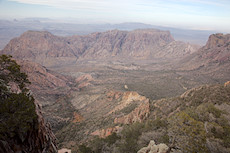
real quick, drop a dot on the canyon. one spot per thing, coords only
(107, 82)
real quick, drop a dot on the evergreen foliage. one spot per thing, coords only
(17, 109)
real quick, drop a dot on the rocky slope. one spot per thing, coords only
(22, 126)
(42, 47)
(196, 121)
(51, 90)
(38, 139)
(153, 148)
(100, 100)
(42, 78)
(50, 50)
(207, 108)
(101, 115)
(217, 48)
(210, 64)
(215, 52)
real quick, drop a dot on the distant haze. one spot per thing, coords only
(10, 29)
(188, 14)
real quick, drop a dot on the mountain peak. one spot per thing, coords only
(218, 40)
(217, 48)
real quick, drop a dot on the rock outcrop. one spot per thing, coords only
(77, 117)
(217, 40)
(114, 95)
(227, 84)
(64, 150)
(153, 148)
(103, 133)
(126, 99)
(217, 48)
(45, 135)
(137, 115)
(39, 139)
(216, 51)
(84, 81)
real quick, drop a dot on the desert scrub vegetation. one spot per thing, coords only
(128, 109)
(17, 109)
(190, 123)
(216, 94)
(189, 133)
(130, 139)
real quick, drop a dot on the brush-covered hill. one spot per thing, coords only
(196, 121)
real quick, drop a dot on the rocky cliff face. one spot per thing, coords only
(38, 46)
(217, 48)
(139, 114)
(127, 98)
(217, 40)
(39, 139)
(137, 44)
(50, 50)
(216, 51)
(44, 136)
(22, 126)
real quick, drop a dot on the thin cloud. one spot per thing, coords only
(216, 3)
(75, 4)
(109, 5)
(184, 12)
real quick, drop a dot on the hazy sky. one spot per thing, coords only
(195, 14)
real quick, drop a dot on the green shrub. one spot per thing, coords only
(97, 145)
(111, 139)
(189, 133)
(212, 109)
(85, 149)
(226, 136)
(154, 124)
(128, 109)
(17, 110)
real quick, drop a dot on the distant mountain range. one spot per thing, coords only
(51, 50)
(11, 29)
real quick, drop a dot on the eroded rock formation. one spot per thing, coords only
(77, 117)
(126, 99)
(137, 115)
(153, 148)
(103, 133)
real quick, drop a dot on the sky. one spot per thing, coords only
(193, 14)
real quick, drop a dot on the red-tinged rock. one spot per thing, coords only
(137, 115)
(77, 118)
(103, 133)
(227, 84)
